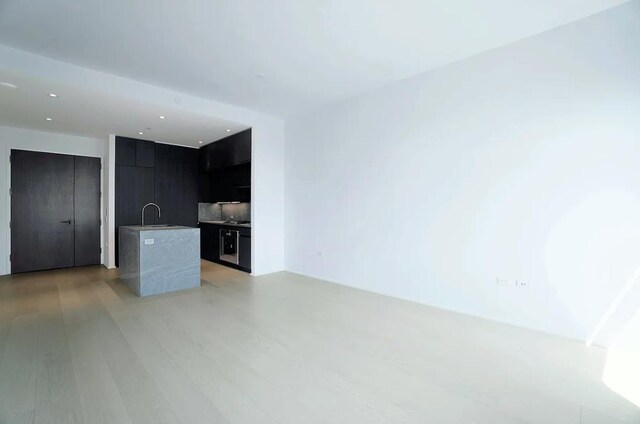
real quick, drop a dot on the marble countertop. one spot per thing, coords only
(226, 223)
(157, 227)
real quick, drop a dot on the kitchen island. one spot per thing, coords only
(158, 259)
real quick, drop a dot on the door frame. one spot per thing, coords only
(15, 146)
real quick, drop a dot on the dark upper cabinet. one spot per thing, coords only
(241, 147)
(233, 150)
(204, 188)
(125, 151)
(215, 156)
(206, 158)
(176, 184)
(132, 152)
(225, 170)
(145, 153)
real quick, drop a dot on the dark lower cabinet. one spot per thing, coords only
(210, 245)
(245, 252)
(209, 249)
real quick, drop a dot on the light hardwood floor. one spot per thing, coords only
(76, 346)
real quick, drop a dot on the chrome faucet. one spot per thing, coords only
(144, 207)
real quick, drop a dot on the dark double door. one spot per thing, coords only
(55, 211)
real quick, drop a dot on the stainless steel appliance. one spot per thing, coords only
(229, 246)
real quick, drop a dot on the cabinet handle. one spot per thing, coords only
(68, 221)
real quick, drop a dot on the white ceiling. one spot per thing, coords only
(85, 112)
(311, 51)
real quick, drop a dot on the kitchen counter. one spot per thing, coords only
(159, 259)
(226, 223)
(157, 227)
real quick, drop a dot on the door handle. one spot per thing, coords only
(68, 221)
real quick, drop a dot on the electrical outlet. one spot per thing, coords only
(522, 283)
(503, 282)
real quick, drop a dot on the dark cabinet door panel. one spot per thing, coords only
(245, 252)
(204, 188)
(241, 147)
(134, 189)
(210, 241)
(225, 169)
(209, 159)
(125, 151)
(87, 211)
(145, 153)
(176, 184)
(220, 186)
(206, 243)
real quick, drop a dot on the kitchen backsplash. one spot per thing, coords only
(209, 212)
(224, 212)
(236, 211)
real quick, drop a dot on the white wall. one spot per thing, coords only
(16, 138)
(267, 140)
(522, 163)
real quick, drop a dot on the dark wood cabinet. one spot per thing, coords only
(220, 187)
(176, 184)
(206, 154)
(225, 170)
(133, 152)
(245, 252)
(159, 173)
(204, 188)
(210, 245)
(134, 189)
(145, 153)
(241, 151)
(210, 242)
(125, 151)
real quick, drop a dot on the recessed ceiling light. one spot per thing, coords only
(8, 85)
(261, 76)
(200, 141)
(161, 117)
(48, 119)
(53, 95)
(140, 133)
(228, 130)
